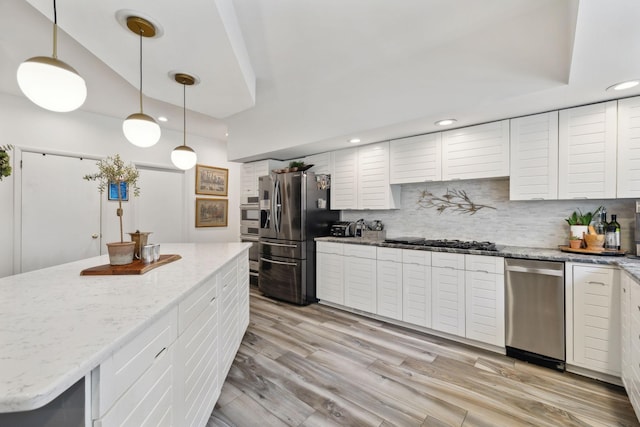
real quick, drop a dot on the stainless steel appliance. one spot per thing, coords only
(534, 303)
(342, 229)
(250, 232)
(637, 229)
(444, 243)
(294, 209)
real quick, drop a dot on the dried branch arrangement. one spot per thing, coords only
(456, 200)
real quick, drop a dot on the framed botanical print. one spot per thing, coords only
(211, 181)
(211, 212)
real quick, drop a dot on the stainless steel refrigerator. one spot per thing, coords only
(294, 209)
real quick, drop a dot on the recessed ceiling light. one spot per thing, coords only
(445, 122)
(354, 140)
(162, 119)
(624, 85)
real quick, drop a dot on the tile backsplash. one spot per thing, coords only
(539, 224)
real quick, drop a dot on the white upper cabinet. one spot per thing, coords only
(374, 191)
(474, 152)
(416, 159)
(360, 178)
(321, 163)
(587, 152)
(251, 172)
(534, 157)
(344, 179)
(629, 147)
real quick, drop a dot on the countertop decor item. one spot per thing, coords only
(114, 170)
(5, 161)
(136, 267)
(587, 251)
(455, 200)
(579, 222)
(575, 242)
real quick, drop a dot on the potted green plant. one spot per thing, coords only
(5, 161)
(575, 242)
(579, 222)
(114, 170)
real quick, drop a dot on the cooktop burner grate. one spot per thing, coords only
(444, 243)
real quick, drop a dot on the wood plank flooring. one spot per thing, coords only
(319, 366)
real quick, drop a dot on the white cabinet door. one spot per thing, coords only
(389, 283)
(587, 152)
(248, 182)
(330, 272)
(416, 159)
(448, 300)
(596, 318)
(344, 179)
(626, 282)
(634, 347)
(474, 152)
(228, 295)
(360, 277)
(534, 157)
(416, 294)
(321, 163)
(628, 147)
(374, 191)
(484, 315)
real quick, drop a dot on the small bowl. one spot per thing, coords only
(595, 242)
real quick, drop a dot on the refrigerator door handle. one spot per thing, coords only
(277, 199)
(293, 264)
(283, 245)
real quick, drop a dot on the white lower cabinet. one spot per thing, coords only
(448, 302)
(484, 294)
(630, 335)
(389, 283)
(360, 277)
(330, 272)
(593, 321)
(416, 287)
(172, 372)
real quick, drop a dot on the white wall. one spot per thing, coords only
(27, 126)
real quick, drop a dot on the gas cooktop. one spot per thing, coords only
(444, 243)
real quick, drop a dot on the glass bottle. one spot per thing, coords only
(612, 236)
(600, 223)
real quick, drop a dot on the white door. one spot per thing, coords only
(160, 208)
(60, 210)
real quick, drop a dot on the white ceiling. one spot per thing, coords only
(289, 77)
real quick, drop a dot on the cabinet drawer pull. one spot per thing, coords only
(597, 283)
(212, 300)
(160, 352)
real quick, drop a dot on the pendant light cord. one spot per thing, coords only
(184, 114)
(55, 31)
(140, 32)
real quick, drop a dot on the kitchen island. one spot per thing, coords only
(58, 327)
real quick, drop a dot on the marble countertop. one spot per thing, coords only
(626, 263)
(56, 326)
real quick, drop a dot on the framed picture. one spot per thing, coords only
(211, 212)
(113, 191)
(211, 181)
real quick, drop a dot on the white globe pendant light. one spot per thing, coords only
(141, 129)
(51, 83)
(183, 156)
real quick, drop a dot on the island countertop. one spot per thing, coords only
(56, 326)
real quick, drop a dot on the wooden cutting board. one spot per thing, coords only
(605, 252)
(136, 267)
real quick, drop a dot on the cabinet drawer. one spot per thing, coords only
(330, 248)
(410, 256)
(360, 251)
(196, 302)
(389, 254)
(486, 263)
(126, 365)
(447, 260)
(149, 401)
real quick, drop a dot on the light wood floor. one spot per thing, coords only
(319, 366)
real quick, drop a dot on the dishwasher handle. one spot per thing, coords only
(533, 270)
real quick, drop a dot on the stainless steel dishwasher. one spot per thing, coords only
(534, 303)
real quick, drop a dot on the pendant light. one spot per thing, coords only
(51, 83)
(183, 156)
(141, 129)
